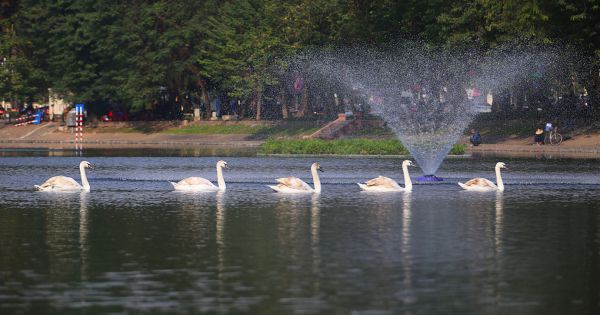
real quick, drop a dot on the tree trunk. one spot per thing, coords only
(304, 102)
(258, 104)
(201, 84)
(243, 109)
(284, 105)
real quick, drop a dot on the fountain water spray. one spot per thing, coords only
(426, 96)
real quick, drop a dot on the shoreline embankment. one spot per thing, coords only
(51, 136)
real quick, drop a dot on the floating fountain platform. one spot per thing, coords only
(429, 178)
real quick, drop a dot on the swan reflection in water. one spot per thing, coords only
(406, 241)
(84, 247)
(498, 222)
(83, 232)
(220, 232)
(315, 223)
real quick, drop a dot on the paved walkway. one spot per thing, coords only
(48, 135)
(535, 148)
(585, 145)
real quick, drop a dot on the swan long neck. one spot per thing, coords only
(499, 181)
(407, 181)
(220, 179)
(84, 180)
(316, 180)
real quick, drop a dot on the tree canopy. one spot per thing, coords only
(127, 52)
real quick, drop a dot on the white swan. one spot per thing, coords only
(296, 185)
(63, 183)
(386, 184)
(202, 184)
(482, 184)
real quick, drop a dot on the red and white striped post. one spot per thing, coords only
(79, 122)
(79, 112)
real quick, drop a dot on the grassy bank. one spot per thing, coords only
(257, 131)
(217, 129)
(342, 147)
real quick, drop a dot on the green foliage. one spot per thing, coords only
(160, 41)
(489, 23)
(284, 130)
(73, 43)
(458, 149)
(343, 147)
(346, 146)
(217, 129)
(19, 78)
(243, 46)
(124, 51)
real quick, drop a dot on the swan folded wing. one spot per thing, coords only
(382, 181)
(480, 182)
(195, 181)
(293, 183)
(60, 182)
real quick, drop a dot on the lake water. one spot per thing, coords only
(133, 246)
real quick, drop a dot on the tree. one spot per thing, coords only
(127, 52)
(487, 23)
(74, 44)
(19, 79)
(162, 44)
(243, 49)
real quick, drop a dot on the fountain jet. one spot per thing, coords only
(426, 96)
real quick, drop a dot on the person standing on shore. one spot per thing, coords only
(475, 137)
(539, 137)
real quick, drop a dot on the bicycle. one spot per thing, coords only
(553, 138)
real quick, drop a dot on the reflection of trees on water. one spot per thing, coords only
(193, 213)
(388, 221)
(297, 219)
(482, 208)
(62, 235)
(486, 210)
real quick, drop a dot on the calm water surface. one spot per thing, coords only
(133, 246)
